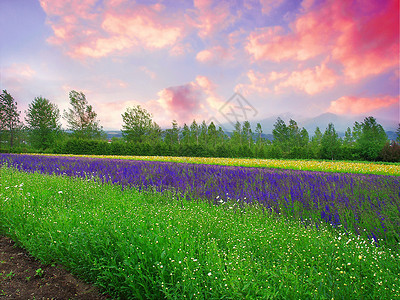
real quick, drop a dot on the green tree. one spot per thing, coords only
(316, 143)
(348, 137)
(43, 123)
(9, 117)
(281, 135)
(293, 134)
(221, 136)
(304, 137)
(372, 139)
(172, 134)
(259, 132)
(154, 136)
(81, 118)
(357, 130)
(203, 133)
(212, 134)
(330, 143)
(236, 138)
(185, 134)
(247, 134)
(398, 134)
(194, 133)
(137, 124)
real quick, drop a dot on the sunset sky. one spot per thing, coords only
(183, 59)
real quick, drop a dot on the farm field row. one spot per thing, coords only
(368, 205)
(152, 245)
(392, 169)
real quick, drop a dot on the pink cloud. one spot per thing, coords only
(19, 71)
(213, 55)
(194, 100)
(355, 105)
(211, 17)
(181, 101)
(258, 84)
(273, 76)
(85, 29)
(205, 84)
(362, 36)
(148, 72)
(310, 81)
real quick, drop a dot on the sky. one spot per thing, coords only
(220, 61)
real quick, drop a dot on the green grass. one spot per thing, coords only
(147, 245)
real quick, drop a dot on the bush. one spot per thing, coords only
(390, 152)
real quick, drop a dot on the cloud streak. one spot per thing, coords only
(358, 105)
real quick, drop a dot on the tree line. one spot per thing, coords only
(42, 132)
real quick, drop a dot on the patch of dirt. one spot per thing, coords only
(24, 277)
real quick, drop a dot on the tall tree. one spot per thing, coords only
(316, 143)
(155, 133)
(212, 134)
(398, 134)
(247, 134)
(194, 133)
(43, 122)
(221, 136)
(293, 133)
(137, 124)
(259, 132)
(236, 138)
(172, 134)
(357, 130)
(372, 139)
(330, 143)
(81, 118)
(281, 135)
(185, 134)
(304, 137)
(348, 137)
(9, 117)
(203, 133)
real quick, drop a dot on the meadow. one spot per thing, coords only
(154, 230)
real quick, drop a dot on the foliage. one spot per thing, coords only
(390, 152)
(371, 139)
(9, 118)
(330, 143)
(81, 118)
(138, 125)
(43, 123)
(398, 134)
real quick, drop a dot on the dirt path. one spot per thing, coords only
(23, 277)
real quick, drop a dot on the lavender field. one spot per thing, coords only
(368, 205)
(163, 230)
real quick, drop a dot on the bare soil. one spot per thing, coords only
(24, 277)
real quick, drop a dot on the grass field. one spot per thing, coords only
(154, 245)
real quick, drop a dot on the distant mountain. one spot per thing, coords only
(113, 133)
(341, 123)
